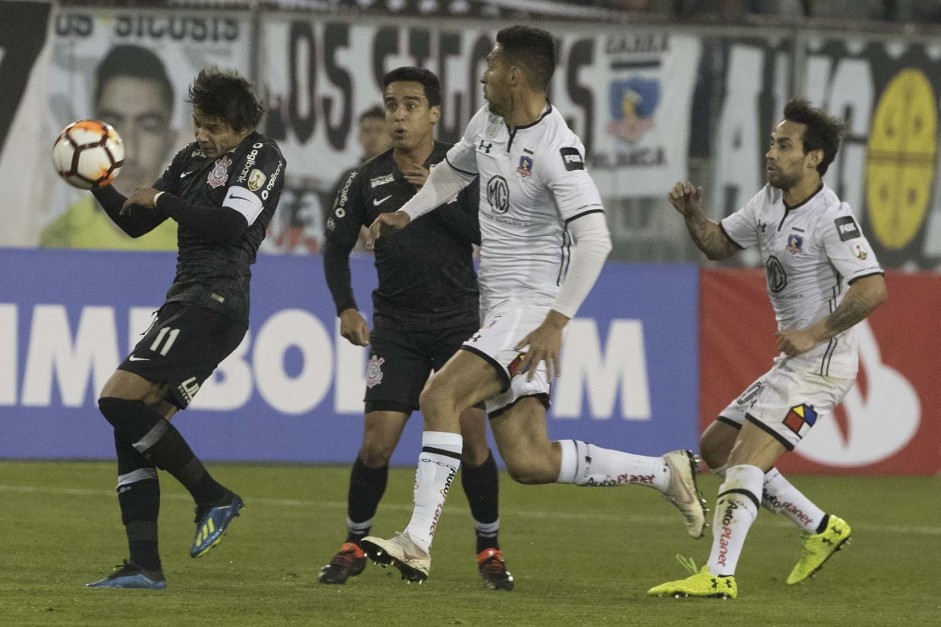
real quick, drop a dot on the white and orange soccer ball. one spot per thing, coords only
(88, 154)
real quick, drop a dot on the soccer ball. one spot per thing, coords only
(88, 154)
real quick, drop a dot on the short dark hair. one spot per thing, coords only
(823, 132)
(531, 48)
(227, 95)
(426, 78)
(375, 111)
(135, 62)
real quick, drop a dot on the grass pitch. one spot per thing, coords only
(580, 556)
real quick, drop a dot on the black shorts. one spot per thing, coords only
(400, 363)
(182, 347)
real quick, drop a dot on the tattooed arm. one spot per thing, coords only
(862, 298)
(707, 235)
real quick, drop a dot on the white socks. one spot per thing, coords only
(780, 497)
(589, 465)
(437, 464)
(736, 509)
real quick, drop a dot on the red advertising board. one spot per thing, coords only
(889, 424)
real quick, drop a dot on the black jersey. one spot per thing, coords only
(247, 179)
(426, 272)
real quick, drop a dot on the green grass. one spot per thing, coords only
(580, 556)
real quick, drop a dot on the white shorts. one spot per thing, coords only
(495, 342)
(786, 402)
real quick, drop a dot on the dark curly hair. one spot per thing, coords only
(227, 95)
(823, 132)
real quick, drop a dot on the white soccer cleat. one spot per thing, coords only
(400, 551)
(683, 490)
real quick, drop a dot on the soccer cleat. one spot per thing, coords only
(699, 584)
(130, 575)
(211, 523)
(819, 547)
(348, 562)
(493, 570)
(683, 490)
(401, 552)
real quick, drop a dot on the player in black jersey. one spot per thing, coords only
(425, 306)
(222, 190)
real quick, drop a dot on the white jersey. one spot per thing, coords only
(811, 252)
(532, 183)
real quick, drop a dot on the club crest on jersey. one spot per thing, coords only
(220, 172)
(525, 168)
(374, 371)
(800, 419)
(795, 244)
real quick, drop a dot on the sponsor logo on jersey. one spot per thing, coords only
(777, 277)
(525, 168)
(220, 172)
(846, 228)
(485, 146)
(800, 418)
(374, 371)
(795, 244)
(256, 179)
(498, 194)
(381, 180)
(188, 389)
(378, 201)
(249, 163)
(572, 159)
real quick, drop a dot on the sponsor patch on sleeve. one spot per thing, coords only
(846, 228)
(572, 158)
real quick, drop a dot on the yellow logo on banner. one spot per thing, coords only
(901, 158)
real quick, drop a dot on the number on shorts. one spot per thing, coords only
(167, 337)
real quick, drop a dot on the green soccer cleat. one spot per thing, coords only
(819, 547)
(700, 584)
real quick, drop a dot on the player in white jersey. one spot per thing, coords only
(822, 279)
(544, 240)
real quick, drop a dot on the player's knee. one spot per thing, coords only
(117, 410)
(436, 404)
(712, 450)
(376, 454)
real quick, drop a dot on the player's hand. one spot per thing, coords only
(794, 342)
(416, 175)
(686, 198)
(354, 327)
(545, 345)
(142, 197)
(385, 224)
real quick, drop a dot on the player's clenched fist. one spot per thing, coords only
(686, 198)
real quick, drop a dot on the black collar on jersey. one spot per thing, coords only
(547, 111)
(803, 202)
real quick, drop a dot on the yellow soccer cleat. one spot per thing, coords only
(700, 584)
(819, 547)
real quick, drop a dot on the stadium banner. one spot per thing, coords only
(627, 95)
(888, 424)
(887, 91)
(293, 390)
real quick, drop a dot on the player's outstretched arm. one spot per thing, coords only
(862, 298)
(708, 236)
(385, 224)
